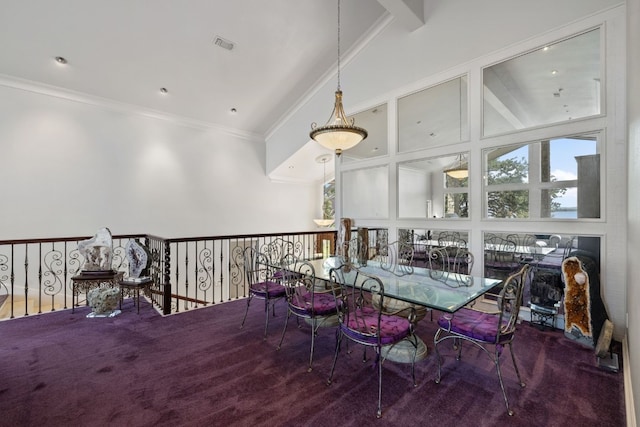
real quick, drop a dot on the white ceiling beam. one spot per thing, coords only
(410, 13)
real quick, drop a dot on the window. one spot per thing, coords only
(427, 190)
(433, 117)
(506, 253)
(366, 193)
(328, 199)
(555, 178)
(555, 83)
(374, 120)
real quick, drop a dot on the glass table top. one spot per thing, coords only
(422, 287)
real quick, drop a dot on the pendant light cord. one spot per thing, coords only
(338, 44)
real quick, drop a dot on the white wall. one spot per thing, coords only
(633, 119)
(413, 193)
(69, 167)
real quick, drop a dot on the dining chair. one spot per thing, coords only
(309, 299)
(485, 330)
(451, 238)
(451, 265)
(264, 283)
(396, 258)
(277, 249)
(362, 322)
(500, 257)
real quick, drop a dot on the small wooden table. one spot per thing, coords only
(132, 287)
(87, 280)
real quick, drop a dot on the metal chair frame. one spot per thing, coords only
(509, 302)
(451, 265)
(259, 270)
(302, 288)
(396, 258)
(353, 298)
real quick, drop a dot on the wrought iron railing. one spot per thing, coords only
(36, 274)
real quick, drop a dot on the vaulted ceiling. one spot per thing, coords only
(127, 51)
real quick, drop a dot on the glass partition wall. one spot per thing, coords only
(552, 178)
(507, 252)
(429, 188)
(532, 156)
(555, 83)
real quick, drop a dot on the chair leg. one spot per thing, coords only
(266, 321)
(313, 341)
(284, 330)
(515, 365)
(414, 342)
(436, 340)
(246, 312)
(335, 355)
(379, 413)
(504, 393)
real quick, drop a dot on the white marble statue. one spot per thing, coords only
(97, 251)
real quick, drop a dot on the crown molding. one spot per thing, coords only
(84, 98)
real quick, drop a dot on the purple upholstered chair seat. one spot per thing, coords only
(323, 304)
(272, 289)
(362, 325)
(474, 324)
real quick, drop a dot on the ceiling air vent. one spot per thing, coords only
(225, 44)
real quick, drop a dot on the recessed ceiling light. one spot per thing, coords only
(223, 43)
(233, 111)
(163, 90)
(554, 71)
(61, 60)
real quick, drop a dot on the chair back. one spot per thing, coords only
(299, 280)
(510, 300)
(361, 318)
(451, 265)
(451, 238)
(569, 247)
(277, 249)
(499, 251)
(396, 258)
(257, 267)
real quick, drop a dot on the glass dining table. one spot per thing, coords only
(422, 287)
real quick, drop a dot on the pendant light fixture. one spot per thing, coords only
(458, 171)
(339, 133)
(325, 221)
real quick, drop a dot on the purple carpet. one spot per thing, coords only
(198, 368)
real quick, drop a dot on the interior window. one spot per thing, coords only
(423, 240)
(554, 178)
(553, 84)
(366, 193)
(328, 199)
(436, 187)
(374, 120)
(433, 117)
(506, 253)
